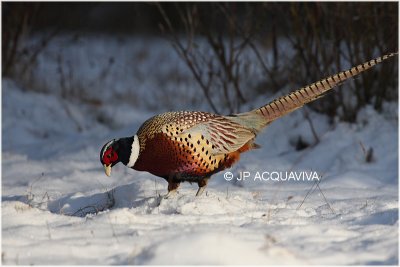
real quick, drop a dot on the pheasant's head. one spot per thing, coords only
(125, 150)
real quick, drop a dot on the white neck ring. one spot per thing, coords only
(135, 149)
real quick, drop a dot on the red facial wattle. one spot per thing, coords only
(110, 156)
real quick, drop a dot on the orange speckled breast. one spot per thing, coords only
(183, 158)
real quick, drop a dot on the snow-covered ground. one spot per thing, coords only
(58, 206)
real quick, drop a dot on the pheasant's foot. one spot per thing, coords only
(200, 191)
(202, 186)
(171, 194)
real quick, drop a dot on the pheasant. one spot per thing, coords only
(193, 145)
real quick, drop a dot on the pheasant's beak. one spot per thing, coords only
(107, 169)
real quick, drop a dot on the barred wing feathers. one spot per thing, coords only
(224, 135)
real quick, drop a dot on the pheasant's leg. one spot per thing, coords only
(202, 185)
(172, 189)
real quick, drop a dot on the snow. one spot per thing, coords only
(58, 206)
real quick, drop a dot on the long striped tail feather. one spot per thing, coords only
(288, 103)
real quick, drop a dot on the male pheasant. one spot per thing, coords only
(193, 145)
